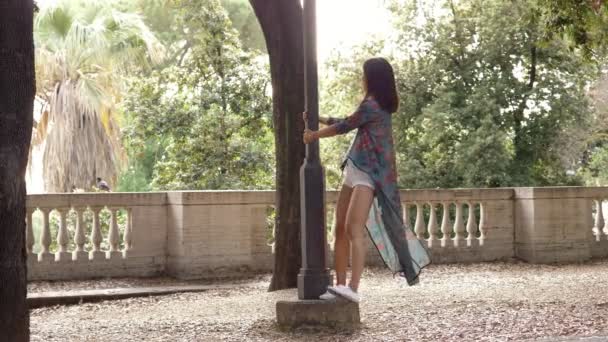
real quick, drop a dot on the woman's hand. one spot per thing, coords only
(322, 119)
(309, 136)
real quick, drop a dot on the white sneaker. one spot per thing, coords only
(327, 296)
(345, 292)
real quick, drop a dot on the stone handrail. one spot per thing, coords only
(197, 234)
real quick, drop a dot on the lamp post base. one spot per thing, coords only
(313, 283)
(336, 313)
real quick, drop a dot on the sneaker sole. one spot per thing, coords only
(342, 295)
(327, 296)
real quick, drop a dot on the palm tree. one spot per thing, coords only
(84, 49)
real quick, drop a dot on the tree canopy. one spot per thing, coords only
(493, 93)
(484, 101)
(202, 122)
(583, 23)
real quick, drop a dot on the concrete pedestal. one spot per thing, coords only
(337, 313)
(553, 225)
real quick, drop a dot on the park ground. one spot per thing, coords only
(479, 302)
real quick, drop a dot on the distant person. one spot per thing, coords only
(369, 197)
(102, 185)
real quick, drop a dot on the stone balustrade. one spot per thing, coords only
(222, 233)
(463, 225)
(470, 225)
(96, 235)
(560, 224)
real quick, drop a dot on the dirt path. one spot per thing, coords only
(481, 302)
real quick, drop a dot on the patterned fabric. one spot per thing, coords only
(372, 151)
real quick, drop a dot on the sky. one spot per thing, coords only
(344, 23)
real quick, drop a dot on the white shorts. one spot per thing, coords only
(353, 176)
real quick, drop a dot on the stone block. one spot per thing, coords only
(80, 256)
(97, 255)
(46, 257)
(599, 248)
(337, 313)
(116, 255)
(31, 257)
(63, 256)
(217, 230)
(552, 225)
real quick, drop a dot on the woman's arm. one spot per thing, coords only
(329, 131)
(326, 132)
(325, 120)
(328, 120)
(364, 114)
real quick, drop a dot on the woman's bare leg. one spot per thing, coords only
(342, 242)
(358, 211)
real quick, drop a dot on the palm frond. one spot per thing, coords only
(83, 50)
(41, 129)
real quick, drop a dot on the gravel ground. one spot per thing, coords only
(480, 302)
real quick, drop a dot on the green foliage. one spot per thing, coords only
(596, 173)
(246, 23)
(583, 23)
(484, 101)
(203, 122)
(143, 154)
(491, 95)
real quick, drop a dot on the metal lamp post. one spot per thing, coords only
(313, 278)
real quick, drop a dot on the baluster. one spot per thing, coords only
(79, 237)
(331, 233)
(471, 224)
(433, 231)
(129, 232)
(482, 223)
(128, 240)
(30, 239)
(62, 238)
(96, 238)
(113, 236)
(332, 212)
(406, 216)
(45, 239)
(605, 228)
(446, 225)
(599, 220)
(458, 225)
(419, 227)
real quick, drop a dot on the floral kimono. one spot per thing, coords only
(372, 152)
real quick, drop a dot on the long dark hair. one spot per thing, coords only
(380, 83)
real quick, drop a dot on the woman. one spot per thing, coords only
(369, 197)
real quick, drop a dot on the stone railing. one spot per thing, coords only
(451, 231)
(96, 235)
(463, 225)
(560, 224)
(223, 233)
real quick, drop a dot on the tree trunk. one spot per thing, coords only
(281, 22)
(17, 89)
